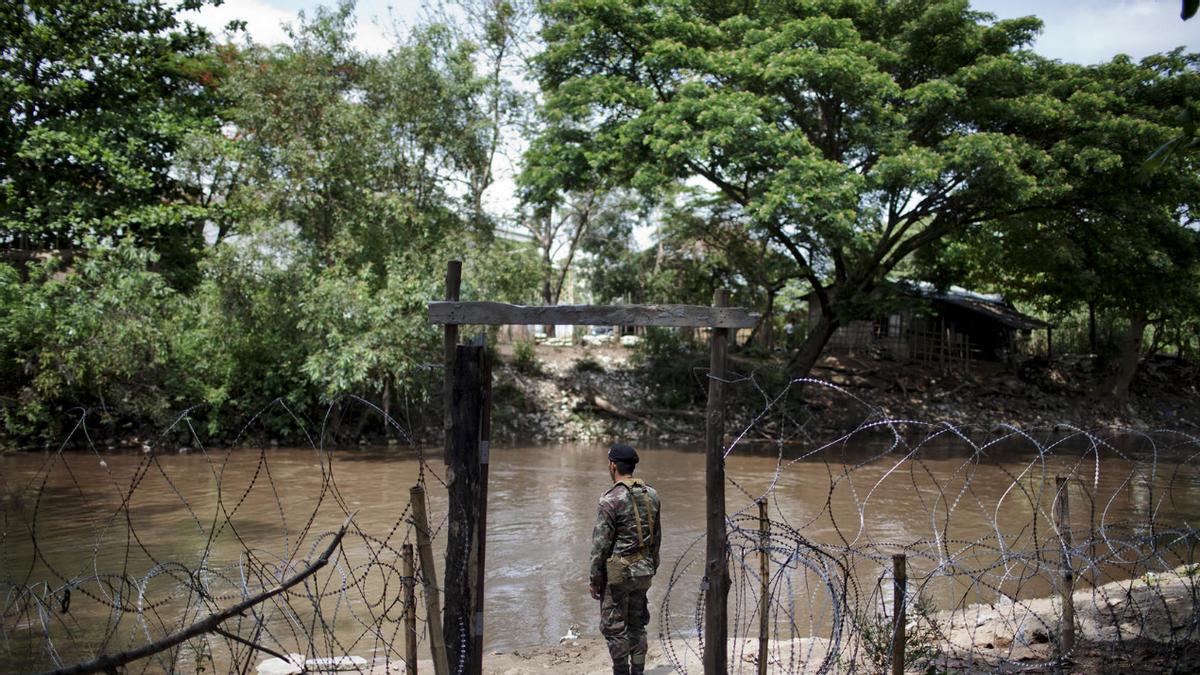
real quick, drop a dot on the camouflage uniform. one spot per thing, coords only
(628, 527)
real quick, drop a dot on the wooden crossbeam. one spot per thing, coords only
(498, 313)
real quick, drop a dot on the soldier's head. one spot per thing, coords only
(622, 459)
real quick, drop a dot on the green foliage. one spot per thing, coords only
(844, 135)
(587, 364)
(99, 96)
(97, 335)
(319, 176)
(671, 364)
(922, 638)
(525, 360)
(347, 147)
(1115, 240)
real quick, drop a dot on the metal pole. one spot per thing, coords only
(899, 613)
(1063, 523)
(410, 612)
(716, 572)
(764, 562)
(433, 603)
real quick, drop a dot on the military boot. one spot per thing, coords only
(621, 669)
(637, 664)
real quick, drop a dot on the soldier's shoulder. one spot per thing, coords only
(612, 494)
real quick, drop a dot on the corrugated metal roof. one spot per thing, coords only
(994, 310)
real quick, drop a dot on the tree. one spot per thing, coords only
(1188, 140)
(560, 207)
(498, 33)
(849, 134)
(1117, 241)
(100, 94)
(750, 266)
(350, 155)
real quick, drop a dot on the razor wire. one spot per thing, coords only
(986, 571)
(985, 568)
(234, 536)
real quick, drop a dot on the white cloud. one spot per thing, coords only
(1087, 31)
(264, 22)
(1099, 32)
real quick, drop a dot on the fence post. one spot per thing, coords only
(485, 438)
(449, 340)
(463, 487)
(433, 603)
(1063, 523)
(764, 619)
(716, 572)
(410, 612)
(899, 611)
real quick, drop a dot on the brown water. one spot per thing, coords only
(541, 510)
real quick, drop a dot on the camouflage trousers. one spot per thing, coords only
(624, 613)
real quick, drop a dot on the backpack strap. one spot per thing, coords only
(630, 484)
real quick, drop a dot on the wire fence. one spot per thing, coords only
(105, 553)
(1000, 531)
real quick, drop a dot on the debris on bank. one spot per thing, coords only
(598, 392)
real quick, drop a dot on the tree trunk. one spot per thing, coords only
(802, 362)
(1131, 349)
(1156, 339)
(1091, 327)
(768, 322)
(547, 284)
(387, 405)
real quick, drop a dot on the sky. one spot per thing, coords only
(1081, 31)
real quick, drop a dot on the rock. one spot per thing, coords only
(335, 663)
(276, 666)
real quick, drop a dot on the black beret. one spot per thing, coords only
(620, 452)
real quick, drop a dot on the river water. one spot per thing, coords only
(89, 514)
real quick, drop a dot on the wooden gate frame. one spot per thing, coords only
(466, 422)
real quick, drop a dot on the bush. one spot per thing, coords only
(674, 366)
(96, 336)
(525, 360)
(587, 364)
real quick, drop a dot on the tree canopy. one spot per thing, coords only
(190, 221)
(100, 95)
(848, 134)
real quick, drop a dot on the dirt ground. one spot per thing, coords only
(557, 402)
(1145, 625)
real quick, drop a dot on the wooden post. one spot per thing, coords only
(1063, 523)
(485, 438)
(410, 612)
(449, 340)
(462, 562)
(764, 563)
(433, 603)
(899, 611)
(716, 572)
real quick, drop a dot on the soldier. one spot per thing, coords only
(625, 545)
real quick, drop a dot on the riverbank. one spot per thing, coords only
(598, 393)
(1143, 625)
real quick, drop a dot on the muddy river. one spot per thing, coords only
(80, 515)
